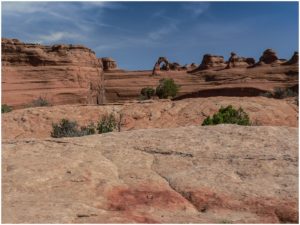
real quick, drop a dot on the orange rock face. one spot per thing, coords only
(61, 74)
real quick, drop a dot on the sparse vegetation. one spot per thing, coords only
(147, 93)
(39, 102)
(228, 115)
(107, 124)
(6, 108)
(280, 93)
(67, 128)
(167, 88)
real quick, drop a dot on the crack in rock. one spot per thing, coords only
(157, 151)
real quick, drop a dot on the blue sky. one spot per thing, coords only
(137, 33)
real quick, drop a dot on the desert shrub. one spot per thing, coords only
(267, 94)
(280, 93)
(228, 115)
(142, 98)
(39, 102)
(107, 124)
(167, 88)
(68, 128)
(88, 130)
(147, 93)
(6, 108)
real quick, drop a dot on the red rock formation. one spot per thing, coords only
(269, 57)
(212, 62)
(60, 73)
(163, 64)
(293, 60)
(235, 61)
(109, 64)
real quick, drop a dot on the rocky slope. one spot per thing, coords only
(37, 122)
(215, 174)
(62, 74)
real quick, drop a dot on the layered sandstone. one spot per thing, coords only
(214, 174)
(62, 74)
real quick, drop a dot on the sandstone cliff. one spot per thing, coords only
(62, 74)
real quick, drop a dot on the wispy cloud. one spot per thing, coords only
(57, 36)
(163, 31)
(196, 8)
(74, 17)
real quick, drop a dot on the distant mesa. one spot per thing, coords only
(235, 61)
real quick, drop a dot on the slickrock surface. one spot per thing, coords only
(37, 122)
(62, 74)
(214, 174)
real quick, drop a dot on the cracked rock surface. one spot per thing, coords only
(193, 174)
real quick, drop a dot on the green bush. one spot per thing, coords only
(147, 93)
(39, 102)
(6, 108)
(228, 115)
(167, 88)
(107, 124)
(68, 128)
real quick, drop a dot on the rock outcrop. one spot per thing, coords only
(154, 114)
(109, 64)
(269, 57)
(63, 74)
(162, 64)
(215, 174)
(294, 60)
(212, 62)
(235, 61)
